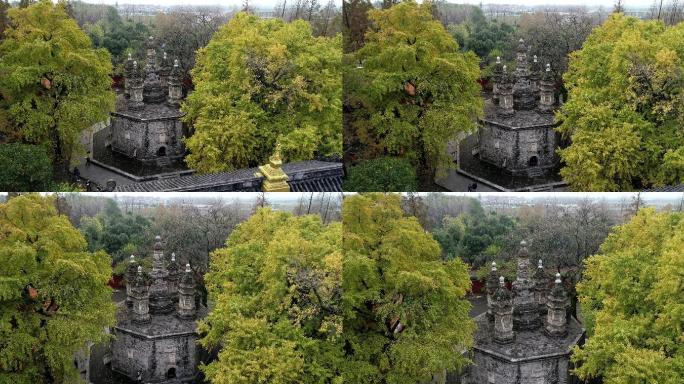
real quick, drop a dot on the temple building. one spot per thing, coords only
(517, 133)
(526, 335)
(147, 126)
(155, 338)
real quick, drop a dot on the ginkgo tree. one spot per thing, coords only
(406, 318)
(53, 83)
(260, 83)
(54, 298)
(410, 89)
(625, 109)
(632, 299)
(276, 289)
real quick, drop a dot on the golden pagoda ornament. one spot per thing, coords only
(275, 178)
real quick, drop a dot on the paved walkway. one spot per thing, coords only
(100, 175)
(458, 182)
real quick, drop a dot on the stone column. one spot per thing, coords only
(556, 303)
(131, 273)
(491, 285)
(186, 295)
(525, 313)
(502, 309)
(541, 287)
(141, 299)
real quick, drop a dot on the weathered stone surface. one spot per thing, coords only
(517, 133)
(525, 140)
(147, 127)
(532, 358)
(158, 344)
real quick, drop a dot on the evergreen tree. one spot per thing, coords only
(53, 84)
(405, 313)
(389, 174)
(632, 298)
(276, 288)
(411, 88)
(262, 82)
(25, 168)
(54, 297)
(625, 108)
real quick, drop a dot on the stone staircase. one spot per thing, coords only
(164, 162)
(535, 172)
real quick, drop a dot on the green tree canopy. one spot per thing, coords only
(416, 90)
(53, 84)
(118, 234)
(262, 82)
(276, 288)
(632, 298)
(116, 35)
(54, 297)
(25, 168)
(389, 174)
(625, 108)
(401, 301)
(476, 237)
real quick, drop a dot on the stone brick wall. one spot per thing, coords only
(492, 370)
(147, 140)
(156, 357)
(518, 149)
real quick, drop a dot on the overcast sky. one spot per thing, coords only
(270, 3)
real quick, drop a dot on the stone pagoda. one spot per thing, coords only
(518, 342)
(517, 133)
(156, 331)
(146, 125)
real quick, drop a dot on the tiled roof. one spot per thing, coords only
(304, 176)
(667, 188)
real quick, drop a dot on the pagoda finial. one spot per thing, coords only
(276, 179)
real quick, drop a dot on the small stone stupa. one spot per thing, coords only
(517, 133)
(518, 342)
(156, 331)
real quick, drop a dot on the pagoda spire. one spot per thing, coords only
(141, 299)
(523, 96)
(541, 287)
(491, 285)
(557, 302)
(502, 309)
(505, 94)
(131, 273)
(525, 313)
(186, 295)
